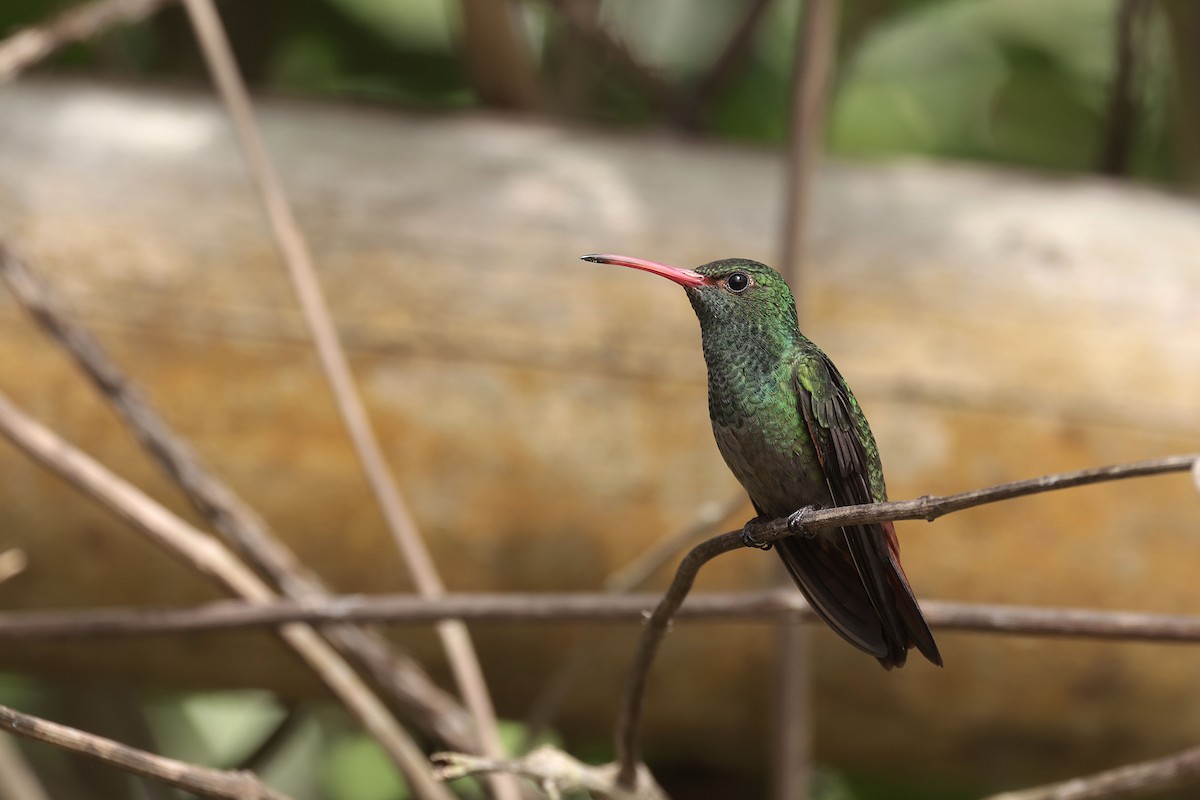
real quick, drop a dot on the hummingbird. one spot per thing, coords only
(792, 433)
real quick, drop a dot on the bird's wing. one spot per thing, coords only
(846, 452)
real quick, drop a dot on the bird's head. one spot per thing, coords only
(732, 292)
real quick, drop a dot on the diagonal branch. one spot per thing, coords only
(1127, 781)
(210, 558)
(437, 712)
(27, 47)
(460, 651)
(192, 777)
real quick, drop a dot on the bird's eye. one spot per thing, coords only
(738, 282)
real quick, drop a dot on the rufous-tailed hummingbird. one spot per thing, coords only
(794, 436)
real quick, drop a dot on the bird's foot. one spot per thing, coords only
(796, 524)
(749, 537)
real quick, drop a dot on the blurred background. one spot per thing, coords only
(1001, 250)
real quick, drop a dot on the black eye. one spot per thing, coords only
(738, 282)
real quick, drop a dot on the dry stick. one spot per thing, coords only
(192, 777)
(455, 639)
(438, 713)
(593, 607)
(556, 773)
(26, 47)
(634, 574)
(813, 59)
(802, 523)
(212, 559)
(1132, 779)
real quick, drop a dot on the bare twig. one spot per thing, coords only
(928, 508)
(29, 46)
(639, 570)
(437, 712)
(1127, 781)
(634, 574)
(194, 778)
(210, 558)
(816, 42)
(554, 771)
(541, 607)
(629, 754)
(931, 507)
(455, 639)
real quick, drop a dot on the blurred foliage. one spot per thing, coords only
(1019, 82)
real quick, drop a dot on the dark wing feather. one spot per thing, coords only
(854, 582)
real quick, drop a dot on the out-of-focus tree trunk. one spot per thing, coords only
(547, 418)
(499, 64)
(1184, 23)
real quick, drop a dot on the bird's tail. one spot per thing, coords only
(855, 583)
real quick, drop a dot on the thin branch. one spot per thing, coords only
(806, 520)
(1127, 781)
(438, 713)
(629, 754)
(554, 771)
(813, 63)
(930, 507)
(212, 559)
(629, 577)
(27, 47)
(460, 651)
(594, 607)
(192, 777)
(640, 569)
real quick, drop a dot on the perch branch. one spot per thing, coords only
(26, 47)
(456, 640)
(212, 559)
(927, 508)
(1129, 780)
(437, 712)
(191, 777)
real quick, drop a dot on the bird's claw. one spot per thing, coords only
(748, 537)
(796, 525)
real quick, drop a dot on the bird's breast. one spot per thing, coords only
(764, 441)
